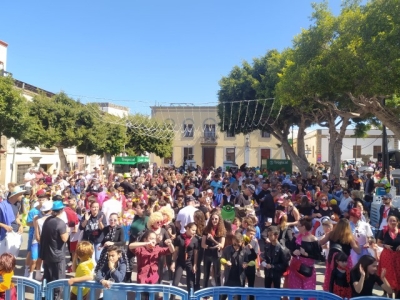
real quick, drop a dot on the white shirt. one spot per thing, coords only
(344, 203)
(30, 177)
(185, 216)
(111, 206)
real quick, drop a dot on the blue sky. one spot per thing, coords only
(139, 53)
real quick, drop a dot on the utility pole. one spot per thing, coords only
(385, 150)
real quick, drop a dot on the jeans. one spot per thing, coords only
(97, 251)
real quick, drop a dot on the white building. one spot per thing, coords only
(317, 144)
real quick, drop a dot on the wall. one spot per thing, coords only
(200, 115)
(3, 54)
(319, 139)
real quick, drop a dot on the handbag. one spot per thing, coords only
(301, 269)
(305, 270)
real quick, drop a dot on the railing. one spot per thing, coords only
(121, 291)
(262, 293)
(209, 138)
(118, 291)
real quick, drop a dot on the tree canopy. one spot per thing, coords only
(13, 110)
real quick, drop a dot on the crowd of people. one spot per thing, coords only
(220, 228)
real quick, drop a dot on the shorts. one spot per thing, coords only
(35, 249)
(72, 246)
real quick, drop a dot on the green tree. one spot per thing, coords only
(258, 81)
(368, 47)
(148, 135)
(13, 110)
(55, 123)
(310, 79)
(105, 133)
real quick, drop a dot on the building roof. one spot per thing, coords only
(108, 104)
(28, 87)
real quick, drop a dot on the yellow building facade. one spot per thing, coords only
(198, 137)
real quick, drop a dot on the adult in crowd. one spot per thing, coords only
(362, 233)
(9, 214)
(52, 246)
(186, 214)
(340, 239)
(138, 226)
(386, 210)
(92, 225)
(389, 240)
(213, 241)
(307, 252)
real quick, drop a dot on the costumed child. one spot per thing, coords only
(7, 265)
(185, 256)
(148, 254)
(340, 277)
(252, 248)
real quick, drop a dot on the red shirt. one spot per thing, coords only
(147, 263)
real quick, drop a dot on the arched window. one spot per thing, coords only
(188, 128)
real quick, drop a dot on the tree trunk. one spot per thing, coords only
(336, 143)
(62, 157)
(299, 162)
(299, 159)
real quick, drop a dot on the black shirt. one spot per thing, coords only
(186, 254)
(387, 239)
(52, 248)
(92, 232)
(368, 283)
(339, 278)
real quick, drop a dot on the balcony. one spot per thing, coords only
(210, 139)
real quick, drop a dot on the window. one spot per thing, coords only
(377, 149)
(265, 134)
(265, 154)
(209, 131)
(357, 151)
(187, 153)
(230, 134)
(188, 130)
(230, 154)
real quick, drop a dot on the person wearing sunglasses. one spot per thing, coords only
(323, 209)
(345, 201)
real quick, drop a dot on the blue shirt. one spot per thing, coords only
(31, 216)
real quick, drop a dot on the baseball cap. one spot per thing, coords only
(388, 196)
(46, 206)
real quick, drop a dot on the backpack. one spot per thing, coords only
(285, 250)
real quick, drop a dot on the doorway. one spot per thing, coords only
(208, 157)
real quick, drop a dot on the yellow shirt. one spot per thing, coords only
(6, 284)
(83, 269)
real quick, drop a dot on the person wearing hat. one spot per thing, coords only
(246, 197)
(45, 207)
(9, 219)
(126, 185)
(54, 235)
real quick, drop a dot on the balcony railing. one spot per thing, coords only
(209, 138)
